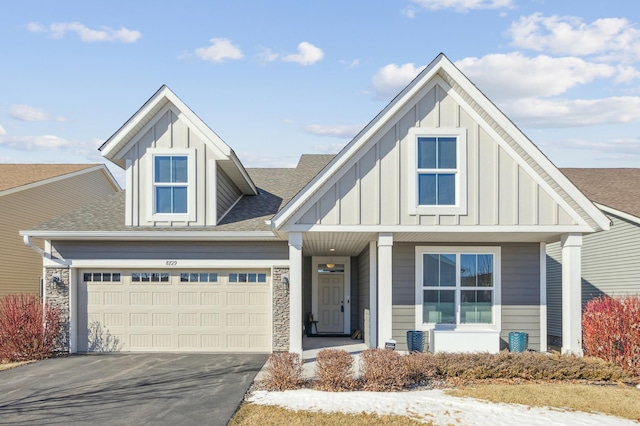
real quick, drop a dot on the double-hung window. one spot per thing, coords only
(172, 184)
(459, 286)
(438, 175)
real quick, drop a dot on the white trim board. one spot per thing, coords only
(162, 263)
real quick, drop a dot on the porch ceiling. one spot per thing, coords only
(352, 243)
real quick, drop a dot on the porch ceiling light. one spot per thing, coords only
(331, 265)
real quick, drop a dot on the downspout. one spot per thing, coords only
(27, 241)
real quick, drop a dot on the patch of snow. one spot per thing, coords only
(431, 405)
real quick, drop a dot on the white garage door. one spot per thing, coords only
(218, 311)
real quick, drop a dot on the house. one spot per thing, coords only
(31, 194)
(434, 217)
(610, 260)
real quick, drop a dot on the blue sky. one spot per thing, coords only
(276, 79)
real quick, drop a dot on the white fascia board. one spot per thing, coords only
(154, 235)
(62, 177)
(243, 172)
(370, 130)
(527, 145)
(168, 263)
(421, 229)
(623, 215)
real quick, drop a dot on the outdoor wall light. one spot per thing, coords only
(55, 279)
(285, 280)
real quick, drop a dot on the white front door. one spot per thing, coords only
(331, 303)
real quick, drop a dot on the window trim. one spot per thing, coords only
(190, 215)
(496, 309)
(460, 206)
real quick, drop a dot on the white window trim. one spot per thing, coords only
(460, 206)
(190, 216)
(496, 310)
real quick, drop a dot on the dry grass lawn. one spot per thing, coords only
(266, 415)
(616, 400)
(8, 365)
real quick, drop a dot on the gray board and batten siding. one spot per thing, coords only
(610, 265)
(373, 190)
(363, 293)
(520, 289)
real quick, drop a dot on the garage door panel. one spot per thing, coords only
(175, 315)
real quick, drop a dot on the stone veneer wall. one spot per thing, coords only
(57, 294)
(280, 302)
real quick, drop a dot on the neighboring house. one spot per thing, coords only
(31, 194)
(610, 260)
(434, 217)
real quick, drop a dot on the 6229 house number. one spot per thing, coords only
(171, 262)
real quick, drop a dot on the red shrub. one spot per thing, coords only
(28, 329)
(333, 370)
(284, 371)
(611, 331)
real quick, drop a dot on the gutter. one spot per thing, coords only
(150, 236)
(27, 241)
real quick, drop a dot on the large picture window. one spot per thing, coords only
(457, 286)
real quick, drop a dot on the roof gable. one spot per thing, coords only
(441, 72)
(153, 110)
(18, 177)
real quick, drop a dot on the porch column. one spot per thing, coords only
(373, 295)
(385, 306)
(571, 294)
(295, 292)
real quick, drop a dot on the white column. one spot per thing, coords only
(295, 292)
(571, 294)
(385, 306)
(73, 310)
(543, 297)
(373, 295)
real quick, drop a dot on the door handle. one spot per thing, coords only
(341, 308)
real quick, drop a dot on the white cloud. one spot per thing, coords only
(2, 131)
(392, 78)
(547, 113)
(267, 55)
(29, 113)
(333, 148)
(31, 142)
(513, 75)
(350, 64)
(220, 49)
(610, 38)
(615, 149)
(339, 131)
(59, 29)
(307, 54)
(464, 5)
(254, 160)
(409, 11)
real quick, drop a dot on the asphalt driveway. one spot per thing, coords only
(127, 389)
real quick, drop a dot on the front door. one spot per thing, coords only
(331, 303)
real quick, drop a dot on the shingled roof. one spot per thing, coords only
(276, 188)
(615, 188)
(17, 175)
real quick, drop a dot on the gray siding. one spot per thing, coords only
(363, 292)
(520, 291)
(228, 193)
(355, 323)
(610, 265)
(307, 272)
(499, 190)
(171, 250)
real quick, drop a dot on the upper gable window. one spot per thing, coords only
(438, 172)
(171, 183)
(172, 191)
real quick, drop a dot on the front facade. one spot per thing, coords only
(31, 194)
(610, 260)
(434, 217)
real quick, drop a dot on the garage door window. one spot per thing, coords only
(247, 277)
(101, 277)
(198, 277)
(150, 277)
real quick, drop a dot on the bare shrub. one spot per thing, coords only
(333, 370)
(383, 370)
(419, 367)
(525, 366)
(29, 329)
(283, 372)
(611, 331)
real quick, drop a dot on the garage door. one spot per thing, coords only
(144, 311)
